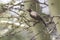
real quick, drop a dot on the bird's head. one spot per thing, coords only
(29, 10)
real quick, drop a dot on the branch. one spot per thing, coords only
(13, 11)
(44, 3)
(16, 5)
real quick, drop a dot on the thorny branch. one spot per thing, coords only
(52, 19)
(16, 5)
(37, 34)
(14, 12)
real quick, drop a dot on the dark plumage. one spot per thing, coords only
(36, 16)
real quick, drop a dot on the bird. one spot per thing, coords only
(36, 16)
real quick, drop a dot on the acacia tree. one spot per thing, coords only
(39, 29)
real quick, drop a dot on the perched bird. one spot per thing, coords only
(36, 16)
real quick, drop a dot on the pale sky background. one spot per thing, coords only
(45, 10)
